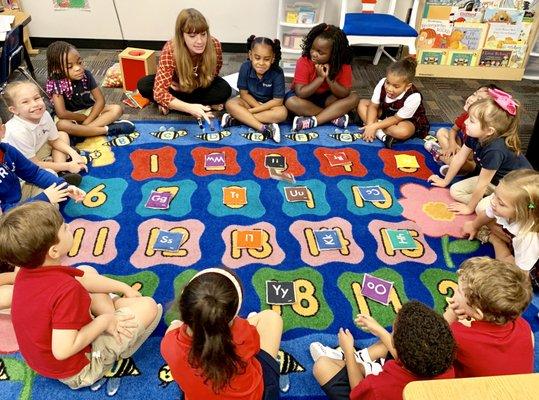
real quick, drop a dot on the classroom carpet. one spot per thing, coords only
(350, 226)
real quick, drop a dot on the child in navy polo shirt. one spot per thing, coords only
(261, 85)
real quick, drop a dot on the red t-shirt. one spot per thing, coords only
(175, 348)
(486, 349)
(459, 122)
(389, 384)
(305, 73)
(47, 298)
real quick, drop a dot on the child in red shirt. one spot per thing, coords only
(421, 344)
(213, 353)
(498, 341)
(321, 88)
(52, 304)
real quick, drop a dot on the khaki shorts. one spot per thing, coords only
(105, 352)
(85, 111)
(29, 190)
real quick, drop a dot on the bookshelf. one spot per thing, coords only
(443, 70)
(295, 19)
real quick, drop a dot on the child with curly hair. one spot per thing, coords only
(422, 346)
(498, 341)
(321, 88)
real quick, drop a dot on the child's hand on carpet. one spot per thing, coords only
(346, 340)
(369, 133)
(435, 180)
(469, 229)
(461, 209)
(369, 324)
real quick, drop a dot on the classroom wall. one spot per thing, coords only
(231, 21)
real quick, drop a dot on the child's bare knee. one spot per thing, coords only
(116, 109)
(320, 367)
(271, 317)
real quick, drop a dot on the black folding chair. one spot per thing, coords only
(11, 59)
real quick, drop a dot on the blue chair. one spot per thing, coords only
(13, 54)
(380, 29)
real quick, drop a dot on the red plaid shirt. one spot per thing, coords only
(166, 72)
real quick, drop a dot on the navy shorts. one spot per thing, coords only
(318, 99)
(270, 374)
(338, 387)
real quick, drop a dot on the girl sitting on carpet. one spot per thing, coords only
(187, 78)
(261, 85)
(492, 129)
(321, 88)
(512, 214)
(215, 354)
(78, 102)
(395, 110)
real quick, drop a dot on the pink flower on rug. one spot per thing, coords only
(8, 341)
(428, 207)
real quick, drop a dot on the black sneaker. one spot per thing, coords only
(273, 131)
(71, 179)
(121, 127)
(389, 141)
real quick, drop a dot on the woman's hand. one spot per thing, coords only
(199, 111)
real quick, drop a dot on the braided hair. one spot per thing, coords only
(275, 44)
(57, 59)
(340, 53)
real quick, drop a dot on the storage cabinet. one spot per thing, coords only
(295, 19)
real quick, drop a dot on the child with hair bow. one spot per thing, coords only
(492, 129)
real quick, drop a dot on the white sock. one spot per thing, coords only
(107, 128)
(315, 121)
(380, 134)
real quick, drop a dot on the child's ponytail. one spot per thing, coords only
(208, 306)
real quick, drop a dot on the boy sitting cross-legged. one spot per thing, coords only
(498, 341)
(67, 326)
(421, 344)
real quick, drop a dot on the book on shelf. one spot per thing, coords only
(463, 58)
(518, 54)
(494, 58)
(500, 34)
(434, 33)
(135, 100)
(468, 36)
(461, 15)
(432, 57)
(503, 15)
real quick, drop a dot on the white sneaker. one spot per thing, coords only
(252, 314)
(318, 350)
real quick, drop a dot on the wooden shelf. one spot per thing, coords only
(450, 71)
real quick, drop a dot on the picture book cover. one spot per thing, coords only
(434, 33)
(500, 34)
(461, 15)
(462, 58)
(530, 8)
(438, 11)
(503, 15)
(432, 57)
(518, 54)
(494, 58)
(467, 36)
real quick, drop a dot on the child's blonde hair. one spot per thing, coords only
(501, 290)
(192, 21)
(11, 91)
(523, 187)
(491, 115)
